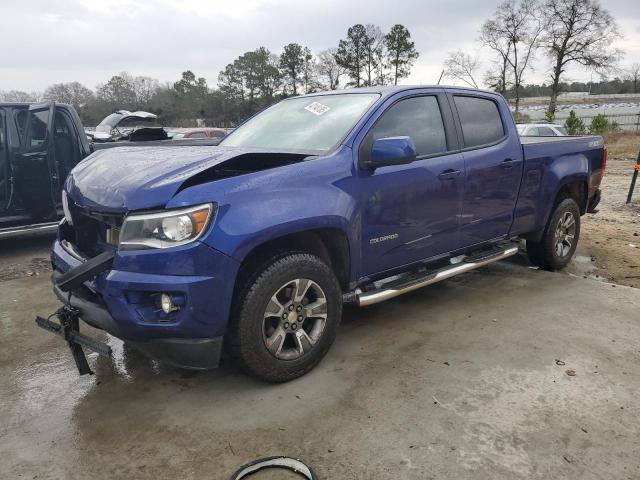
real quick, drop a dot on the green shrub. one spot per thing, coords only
(549, 116)
(600, 125)
(574, 125)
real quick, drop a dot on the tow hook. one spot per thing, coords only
(69, 329)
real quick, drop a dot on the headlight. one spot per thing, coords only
(165, 229)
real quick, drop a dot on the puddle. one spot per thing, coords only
(583, 266)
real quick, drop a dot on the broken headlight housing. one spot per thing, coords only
(165, 229)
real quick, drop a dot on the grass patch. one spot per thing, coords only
(623, 145)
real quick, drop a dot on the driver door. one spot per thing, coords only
(35, 172)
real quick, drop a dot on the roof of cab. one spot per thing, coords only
(386, 91)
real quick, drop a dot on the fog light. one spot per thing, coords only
(166, 303)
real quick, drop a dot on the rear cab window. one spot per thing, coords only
(416, 117)
(480, 120)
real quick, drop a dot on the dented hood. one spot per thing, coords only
(137, 178)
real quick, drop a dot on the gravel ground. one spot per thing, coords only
(609, 247)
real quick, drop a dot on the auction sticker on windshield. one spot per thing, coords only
(317, 108)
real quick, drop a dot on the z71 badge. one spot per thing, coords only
(384, 238)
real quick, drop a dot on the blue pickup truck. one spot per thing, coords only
(344, 197)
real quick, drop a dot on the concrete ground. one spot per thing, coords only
(464, 379)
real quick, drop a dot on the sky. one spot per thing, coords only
(91, 40)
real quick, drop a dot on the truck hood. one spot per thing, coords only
(123, 179)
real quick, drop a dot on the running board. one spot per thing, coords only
(29, 229)
(395, 289)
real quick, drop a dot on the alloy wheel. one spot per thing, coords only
(565, 234)
(294, 319)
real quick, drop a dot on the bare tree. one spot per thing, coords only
(577, 31)
(633, 75)
(514, 32)
(20, 96)
(145, 88)
(462, 66)
(329, 70)
(374, 54)
(309, 72)
(492, 37)
(73, 93)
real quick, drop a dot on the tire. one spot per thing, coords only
(560, 238)
(266, 337)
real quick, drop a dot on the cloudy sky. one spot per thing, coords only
(91, 40)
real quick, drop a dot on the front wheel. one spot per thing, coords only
(285, 317)
(560, 239)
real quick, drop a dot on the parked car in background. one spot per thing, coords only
(120, 124)
(197, 132)
(541, 130)
(352, 196)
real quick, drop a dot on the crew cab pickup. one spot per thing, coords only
(352, 196)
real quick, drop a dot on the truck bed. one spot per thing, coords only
(549, 160)
(587, 147)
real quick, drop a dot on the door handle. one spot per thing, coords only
(508, 163)
(449, 174)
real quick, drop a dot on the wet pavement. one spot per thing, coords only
(464, 379)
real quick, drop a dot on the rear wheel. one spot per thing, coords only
(286, 313)
(560, 239)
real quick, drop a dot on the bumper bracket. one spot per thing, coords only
(69, 329)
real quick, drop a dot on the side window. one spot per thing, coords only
(2, 135)
(418, 118)
(198, 135)
(21, 122)
(66, 150)
(546, 132)
(480, 119)
(37, 129)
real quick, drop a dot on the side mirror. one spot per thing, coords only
(392, 151)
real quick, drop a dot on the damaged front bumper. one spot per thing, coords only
(124, 303)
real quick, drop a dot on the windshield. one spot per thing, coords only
(562, 130)
(315, 124)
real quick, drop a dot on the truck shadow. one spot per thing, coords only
(132, 388)
(129, 366)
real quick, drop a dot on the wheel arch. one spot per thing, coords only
(575, 187)
(330, 244)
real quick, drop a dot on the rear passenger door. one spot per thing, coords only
(493, 167)
(410, 212)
